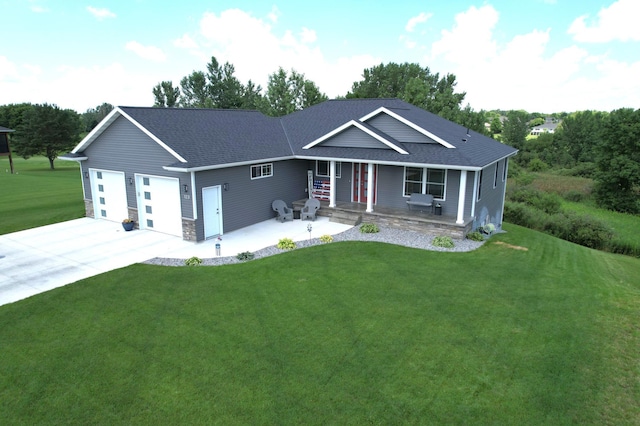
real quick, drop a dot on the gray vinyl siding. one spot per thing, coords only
(399, 131)
(489, 207)
(391, 187)
(248, 201)
(123, 147)
(353, 138)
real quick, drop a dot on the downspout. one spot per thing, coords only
(194, 196)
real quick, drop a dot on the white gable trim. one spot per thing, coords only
(408, 123)
(108, 120)
(354, 123)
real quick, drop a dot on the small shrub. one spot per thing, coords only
(545, 201)
(475, 236)
(193, 261)
(369, 228)
(537, 165)
(443, 241)
(326, 238)
(286, 244)
(244, 256)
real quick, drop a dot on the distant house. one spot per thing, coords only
(198, 173)
(549, 126)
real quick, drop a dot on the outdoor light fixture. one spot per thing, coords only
(185, 187)
(130, 181)
(225, 186)
(86, 175)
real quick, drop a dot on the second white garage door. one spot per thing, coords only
(159, 204)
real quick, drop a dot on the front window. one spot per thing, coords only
(261, 170)
(423, 180)
(323, 168)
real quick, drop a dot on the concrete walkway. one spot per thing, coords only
(44, 258)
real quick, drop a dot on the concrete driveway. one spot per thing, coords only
(44, 258)
(40, 259)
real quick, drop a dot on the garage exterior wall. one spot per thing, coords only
(248, 201)
(123, 147)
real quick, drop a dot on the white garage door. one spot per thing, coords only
(159, 204)
(109, 195)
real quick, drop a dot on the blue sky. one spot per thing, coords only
(537, 55)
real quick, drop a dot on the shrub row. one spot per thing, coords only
(584, 230)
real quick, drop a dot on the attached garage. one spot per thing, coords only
(109, 195)
(159, 204)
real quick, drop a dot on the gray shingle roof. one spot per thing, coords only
(209, 138)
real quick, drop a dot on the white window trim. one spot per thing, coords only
(260, 166)
(495, 175)
(424, 181)
(479, 188)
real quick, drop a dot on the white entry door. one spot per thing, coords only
(212, 211)
(159, 204)
(109, 195)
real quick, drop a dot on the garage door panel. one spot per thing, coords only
(159, 204)
(109, 195)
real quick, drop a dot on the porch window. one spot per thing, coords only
(261, 170)
(323, 168)
(425, 181)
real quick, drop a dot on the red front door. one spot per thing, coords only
(361, 182)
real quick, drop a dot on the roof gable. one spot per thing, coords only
(379, 139)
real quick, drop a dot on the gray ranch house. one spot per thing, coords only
(198, 173)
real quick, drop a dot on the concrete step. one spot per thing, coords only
(346, 218)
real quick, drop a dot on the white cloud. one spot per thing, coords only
(414, 21)
(185, 42)
(256, 52)
(274, 14)
(151, 53)
(101, 13)
(617, 22)
(308, 36)
(524, 74)
(38, 9)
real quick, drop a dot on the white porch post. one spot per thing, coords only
(461, 196)
(370, 188)
(332, 184)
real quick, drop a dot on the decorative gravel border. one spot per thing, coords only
(386, 235)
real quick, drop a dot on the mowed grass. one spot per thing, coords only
(528, 329)
(36, 195)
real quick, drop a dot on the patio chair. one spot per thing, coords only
(283, 211)
(311, 206)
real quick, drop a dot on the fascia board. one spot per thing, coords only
(225, 166)
(390, 163)
(408, 123)
(361, 127)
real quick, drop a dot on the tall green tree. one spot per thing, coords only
(579, 135)
(225, 89)
(291, 92)
(91, 117)
(516, 128)
(618, 162)
(195, 91)
(252, 97)
(166, 95)
(47, 130)
(411, 83)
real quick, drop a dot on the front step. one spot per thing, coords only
(346, 218)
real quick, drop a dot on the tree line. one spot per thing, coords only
(603, 146)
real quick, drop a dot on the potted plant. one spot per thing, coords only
(128, 224)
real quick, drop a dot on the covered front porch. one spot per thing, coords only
(413, 220)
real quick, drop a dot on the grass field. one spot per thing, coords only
(528, 329)
(36, 195)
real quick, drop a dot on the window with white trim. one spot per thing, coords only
(495, 176)
(323, 168)
(504, 170)
(259, 171)
(479, 186)
(424, 180)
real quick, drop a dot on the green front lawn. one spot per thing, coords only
(344, 333)
(36, 195)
